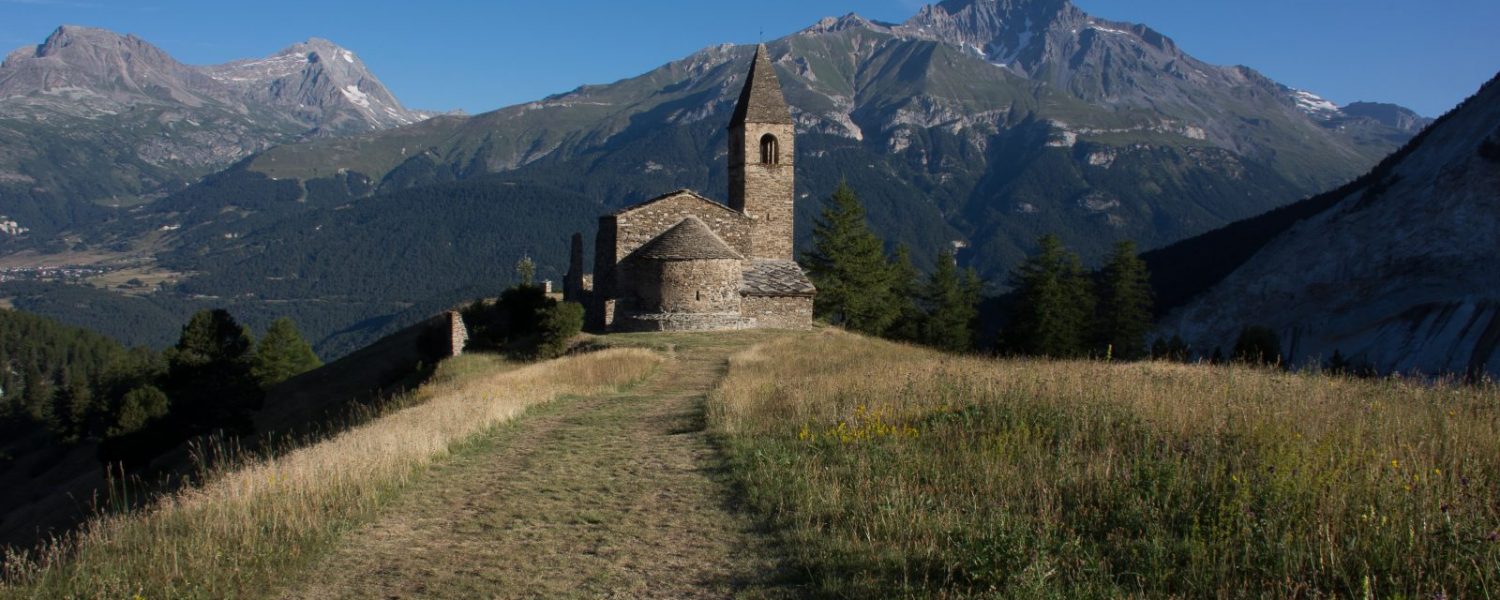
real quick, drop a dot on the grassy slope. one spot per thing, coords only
(882, 467)
(887, 466)
(244, 530)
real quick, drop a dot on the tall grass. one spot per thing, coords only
(233, 536)
(894, 470)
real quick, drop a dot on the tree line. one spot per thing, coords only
(1056, 307)
(72, 385)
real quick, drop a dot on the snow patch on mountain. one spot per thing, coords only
(1314, 104)
(354, 95)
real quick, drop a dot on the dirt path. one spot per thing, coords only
(615, 496)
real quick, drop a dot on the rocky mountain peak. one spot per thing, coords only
(1390, 115)
(321, 83)
(105, 64)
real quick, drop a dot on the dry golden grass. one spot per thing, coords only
(893, 469)
(234, 536)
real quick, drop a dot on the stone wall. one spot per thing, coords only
(682, 322)
(458, 333)
(683, 286)
(764, 191)
(639, 225)
(624, 232)
(779, 312)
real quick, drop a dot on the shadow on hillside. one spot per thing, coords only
(45, 494)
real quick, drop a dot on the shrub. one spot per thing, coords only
(559, 323)
(139, 407)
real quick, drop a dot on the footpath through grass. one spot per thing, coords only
(613, 495)
(246, 531)
(897, 471)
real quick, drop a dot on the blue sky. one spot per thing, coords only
(483, 55)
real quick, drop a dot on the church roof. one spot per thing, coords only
(678, 193)
(776, 278)
(689, 239)
(761, 100)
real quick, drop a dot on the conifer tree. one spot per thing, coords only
(951, 298)
(282, 354)
(905, 293)
(1124, 315)
(849, 266)
(208, 374)
(1053, 303)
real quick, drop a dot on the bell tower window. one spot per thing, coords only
(770, 151)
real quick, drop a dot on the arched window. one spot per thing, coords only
(770, 153)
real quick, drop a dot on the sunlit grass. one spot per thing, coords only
(236, 535)
(893, 469)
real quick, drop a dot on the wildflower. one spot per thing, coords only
(1395, 464)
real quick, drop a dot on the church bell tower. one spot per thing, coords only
(761, 152)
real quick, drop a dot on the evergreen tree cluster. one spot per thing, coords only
(1061, 310)
(863, 289)
(70, 385)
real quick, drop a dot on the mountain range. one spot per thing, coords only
(90, 117)
(976, 123)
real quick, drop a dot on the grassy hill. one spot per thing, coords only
(876, 468)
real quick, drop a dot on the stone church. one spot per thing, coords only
(683, 262)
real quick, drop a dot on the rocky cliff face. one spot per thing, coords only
(1397, 272)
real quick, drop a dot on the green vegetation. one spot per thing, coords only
(1053, 305)
(523, 323)
(861, 289)
(56, 378)
(848, 264)
(1124, 313)
(951, 300)
(282, 354)
(891, 470)
(558, 324)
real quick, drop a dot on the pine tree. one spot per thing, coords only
(905, 293)
(849, 266)
(951, 299)
(1124, 316)
(208, 374)
(1053, 303)
(282, 354)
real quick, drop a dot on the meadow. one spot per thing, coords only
(894, 470)
(242, 531)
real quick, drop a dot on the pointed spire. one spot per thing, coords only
(761, 100)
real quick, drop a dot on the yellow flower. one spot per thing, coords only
(1395, 464)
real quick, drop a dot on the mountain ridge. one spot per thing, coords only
(1393, 272)
(90, 116)
(947, 148)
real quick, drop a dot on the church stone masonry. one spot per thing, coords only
(683, 262)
